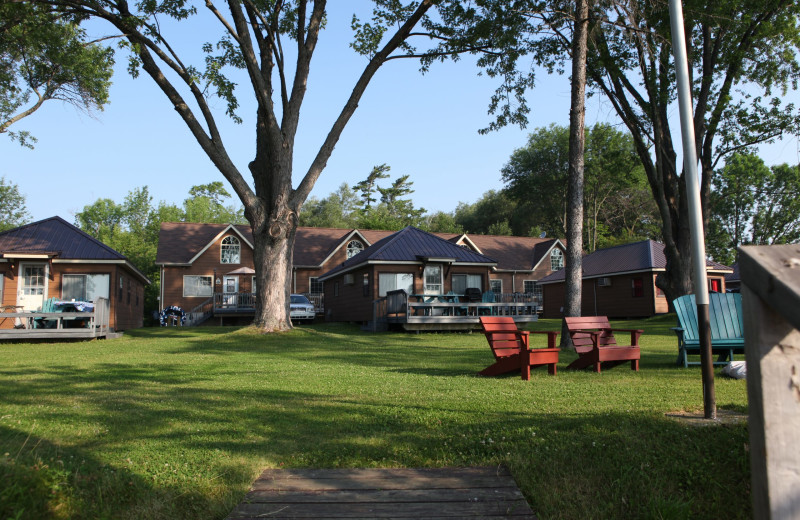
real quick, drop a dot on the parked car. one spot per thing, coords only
(301, 309)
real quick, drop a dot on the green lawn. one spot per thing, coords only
(177, 423)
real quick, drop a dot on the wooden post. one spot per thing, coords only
(771, 306)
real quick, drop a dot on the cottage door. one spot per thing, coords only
(230, 289)
(33, 286)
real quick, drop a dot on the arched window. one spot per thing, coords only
(353, 248)
(556, 260)
(230, 250)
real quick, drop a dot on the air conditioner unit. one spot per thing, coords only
(604, 282)
(348, 279)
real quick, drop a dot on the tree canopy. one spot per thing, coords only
(617, 203)
(753, 204)
(264, 50)
(743, 55)
(45, 55)
(13, 212)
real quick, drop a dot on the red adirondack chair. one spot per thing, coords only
(511, 351)
(595, 344)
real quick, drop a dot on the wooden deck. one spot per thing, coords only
(485, 492)
(60, 325)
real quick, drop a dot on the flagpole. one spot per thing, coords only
(695, 211)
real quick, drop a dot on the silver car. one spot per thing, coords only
(300, 309)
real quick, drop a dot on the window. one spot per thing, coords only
(393, 281)
(637, 287)
(231, 250)
(496, 286)
(129, 291)
(314, 285)
(194, 286)
(533, 288)
(462, 281)
(121, 285)
(85, 287)
(336, 288)
(353, 248)
(433, 279)
(253, 286)
(556, 260)
(365, 285)
(715, 285)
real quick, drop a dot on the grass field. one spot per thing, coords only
(177, 423)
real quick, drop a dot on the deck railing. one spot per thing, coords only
(60, 324)
(234, 302)
(400, 307)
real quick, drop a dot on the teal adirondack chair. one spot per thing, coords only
(488, 297)
(49, 305)
(727, 327)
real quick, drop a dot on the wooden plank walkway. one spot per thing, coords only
(428, 493)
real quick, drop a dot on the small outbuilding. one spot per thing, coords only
(52, 258)
(620, 282)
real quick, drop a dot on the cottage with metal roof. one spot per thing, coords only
(52, 258)
(619, 282)
(420, 281)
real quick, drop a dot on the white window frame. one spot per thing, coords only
(353, 248)
(210, 286)
(382, 276)
(496, 282)
(556, 260)
(430, 288)
(85, 276)
(230, 244)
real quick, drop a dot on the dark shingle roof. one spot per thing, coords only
(647, 255)
(58, 237)
(513, 253)
(411, 245)
(179, 243)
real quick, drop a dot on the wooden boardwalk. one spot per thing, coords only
(385, 493)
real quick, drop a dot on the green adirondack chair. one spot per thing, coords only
(727, 327)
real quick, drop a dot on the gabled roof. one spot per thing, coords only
(412, 245)
(56, 238)
(514, 253)
(647, 255)
(179, 243)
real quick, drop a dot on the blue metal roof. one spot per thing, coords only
(412, 245)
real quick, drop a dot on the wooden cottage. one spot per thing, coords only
(619, 282)
(420, 281)
(208, 269)
(52, 258)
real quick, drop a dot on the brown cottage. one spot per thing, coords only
(208, 269)
(619, 282)
(54, 259)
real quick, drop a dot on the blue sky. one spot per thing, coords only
(421, 125)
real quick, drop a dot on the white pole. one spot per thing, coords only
(693, 196)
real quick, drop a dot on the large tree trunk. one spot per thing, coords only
(272, 256)
(577, 140)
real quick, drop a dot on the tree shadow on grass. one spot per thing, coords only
(569, 463)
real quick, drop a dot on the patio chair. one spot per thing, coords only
(511, 350)
(49, 305)
(727, 327)
(596, 346)
(488, 297)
